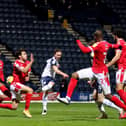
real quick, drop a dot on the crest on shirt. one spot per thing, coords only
(106, 47)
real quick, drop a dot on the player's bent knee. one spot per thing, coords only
(30, 90)
(75, 75)
(100, 100)
(108, 96)
(119, 87)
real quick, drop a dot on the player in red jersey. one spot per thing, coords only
(21, 69)
(120, 58)
(99, 70)
(1, 71)
(4, 91)
(2, 95)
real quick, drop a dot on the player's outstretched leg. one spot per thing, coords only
(12, 106)
(119, 104)
(121, 92)
(71, 87)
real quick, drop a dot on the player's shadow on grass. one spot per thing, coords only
(8, 116)
(93, 119)
(37, 113)
(84, 119)
(79, 119)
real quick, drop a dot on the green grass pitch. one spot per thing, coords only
(60, 115)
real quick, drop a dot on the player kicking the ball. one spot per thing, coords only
(99, 70)
(48, 76)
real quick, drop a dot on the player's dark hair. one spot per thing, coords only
(98, 34)
(57, 50)
(18, 53)
(118, 32)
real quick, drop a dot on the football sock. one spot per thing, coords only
(71, 87)
(122, 95)
(112, 105)
(44, 101)
(28, 99)
(8, 106)
(118, 102)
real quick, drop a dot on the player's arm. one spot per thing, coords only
(83, 48)
(27, 78)
(115, 46)
(26, 69)
(92, 83)
(55, 68)
(115, 58)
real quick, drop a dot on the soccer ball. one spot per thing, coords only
(10, 79)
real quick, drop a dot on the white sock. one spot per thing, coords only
(112, 105)
(47, 87)
(101, 107)
(44, 101)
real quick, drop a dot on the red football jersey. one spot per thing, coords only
(122, 60)
(100, 51)
(17, 74)
(1, 70)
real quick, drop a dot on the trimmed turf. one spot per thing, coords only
(60, 115)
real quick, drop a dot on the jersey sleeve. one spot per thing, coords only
(53, 62)
(83, 48)
(118, 50)
(114, 46)
(17, 65)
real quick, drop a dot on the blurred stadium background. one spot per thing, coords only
(39, 26)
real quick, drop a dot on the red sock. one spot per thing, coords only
(8, 106)
(122, 95)
(118, 102)
(71, 86)
(28, 99)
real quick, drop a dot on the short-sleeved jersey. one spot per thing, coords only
(100, 51)
(17, 74)
(1, 70)
(122, 60)
(48, 70)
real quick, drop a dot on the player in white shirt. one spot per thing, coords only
(48, 76)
